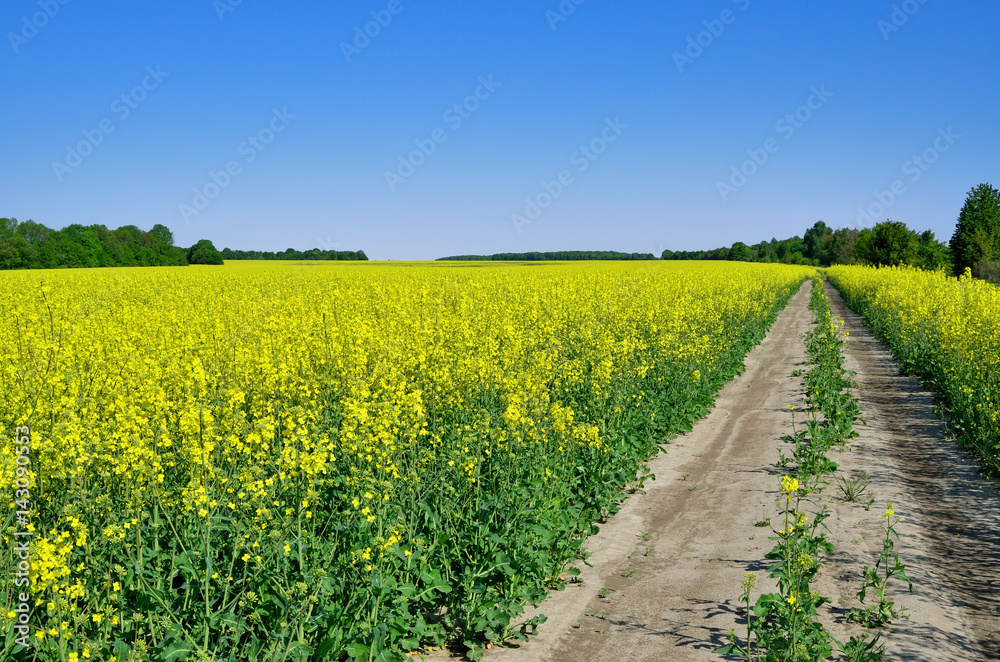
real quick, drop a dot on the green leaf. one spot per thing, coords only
(358, 651)
(475, 650)
(325, 647)
(177, 651)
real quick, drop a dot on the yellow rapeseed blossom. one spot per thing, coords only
(239, 412)
(943, 329)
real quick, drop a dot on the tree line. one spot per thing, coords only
(30, 245)
(823, 246)
(292, 254)
(975, 244)
(553, 255)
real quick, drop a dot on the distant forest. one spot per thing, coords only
(292, 254)
(975, 246)
(554, 255)
(889, 242)
(30, 245)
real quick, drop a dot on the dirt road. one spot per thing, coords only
(666, 569)
(950, 526)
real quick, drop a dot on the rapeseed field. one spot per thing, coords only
(350, 461)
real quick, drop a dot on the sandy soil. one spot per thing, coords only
(665, 571)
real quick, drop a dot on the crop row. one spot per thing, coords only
(943, 330)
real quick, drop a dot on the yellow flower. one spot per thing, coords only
(789, 485)
(197, 381)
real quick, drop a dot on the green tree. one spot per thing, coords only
(764, 252)
(841, 247)
(164, 237)
(204, 252)
(83, 247)
(34, 233)
(740, 252)
(790, 251)
(932, 254)
(11, 256)
(976, 242)
(817, 241)
(7, 227)
(888, 244)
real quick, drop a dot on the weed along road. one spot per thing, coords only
(664, 574)
(950, 529)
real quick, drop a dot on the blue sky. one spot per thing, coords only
(598, 125)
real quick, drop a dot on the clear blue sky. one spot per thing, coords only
(552, 86)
